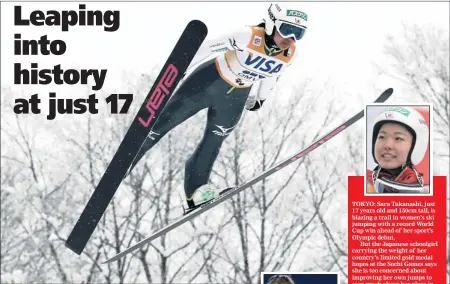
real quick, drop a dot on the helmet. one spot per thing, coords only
(284, 279)
(288, 22)
(413, 121)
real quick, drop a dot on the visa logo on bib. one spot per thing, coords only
(262, 64)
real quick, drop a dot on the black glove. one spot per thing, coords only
(257, 105)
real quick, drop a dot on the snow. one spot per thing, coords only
(17, 276)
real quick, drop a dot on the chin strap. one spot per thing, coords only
(269, 45)
(419, 177)
(375, 174)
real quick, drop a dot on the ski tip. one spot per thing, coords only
(199, 26)
(389, 91)
(385, 95)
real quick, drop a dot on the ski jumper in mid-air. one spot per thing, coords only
(223, 84)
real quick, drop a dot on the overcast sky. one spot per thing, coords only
(342, 41)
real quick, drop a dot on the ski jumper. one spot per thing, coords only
(222, 85)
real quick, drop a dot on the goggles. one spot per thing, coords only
(287, 30)
(384, 185)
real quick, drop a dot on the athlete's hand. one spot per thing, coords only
(257, 105)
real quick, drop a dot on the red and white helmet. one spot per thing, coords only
(413, 121)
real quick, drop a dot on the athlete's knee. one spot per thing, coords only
(221, 131)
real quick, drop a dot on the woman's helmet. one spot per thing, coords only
(413, 121)
(288, 22)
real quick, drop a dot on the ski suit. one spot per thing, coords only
(222, 85)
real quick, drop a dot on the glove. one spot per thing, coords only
(258, 105)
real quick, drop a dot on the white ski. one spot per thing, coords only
(230, 193)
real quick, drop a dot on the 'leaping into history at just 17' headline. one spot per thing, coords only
(109, 20)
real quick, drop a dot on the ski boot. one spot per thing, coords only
(202, 195)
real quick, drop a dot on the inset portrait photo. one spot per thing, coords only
(398, 142)
(299, 278)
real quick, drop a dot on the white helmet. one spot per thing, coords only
(413, 121)
(288, 22)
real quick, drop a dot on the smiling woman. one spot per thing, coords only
(400, 137)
